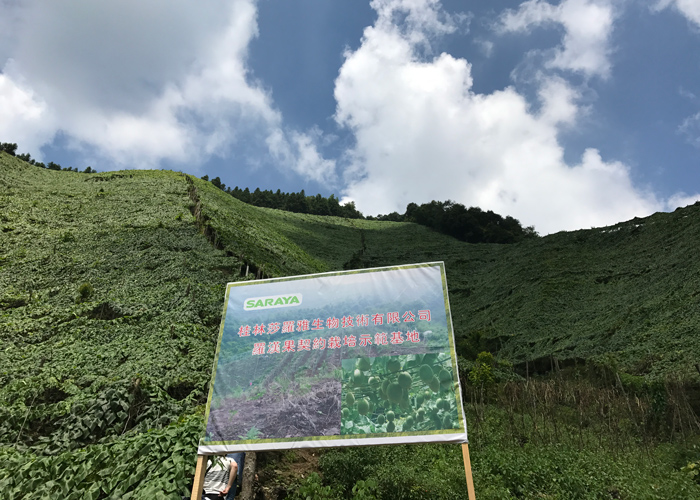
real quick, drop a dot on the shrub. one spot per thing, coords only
(84, 292)
(311, 488)
(397, 472)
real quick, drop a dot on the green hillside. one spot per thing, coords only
(111, 290)
(631, 289)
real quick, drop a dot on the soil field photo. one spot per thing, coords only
(264, 398)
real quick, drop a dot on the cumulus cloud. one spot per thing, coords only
(137, 83)
(422, 133)
(690, 9)
(681, 200)
(24, 115)
(587, 25)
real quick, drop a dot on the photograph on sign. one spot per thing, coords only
(336, 359)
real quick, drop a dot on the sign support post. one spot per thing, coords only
(199, 478)
(468, 471)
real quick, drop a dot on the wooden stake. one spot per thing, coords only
(468, 471)
(247, 490)
(199, 478)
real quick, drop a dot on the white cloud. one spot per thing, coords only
(422, 133)
(681, 200)
(690, 128)
(690, 9)
(137, 83)
(25, 118)
(558, 101)
(587, 26)
(300, 151)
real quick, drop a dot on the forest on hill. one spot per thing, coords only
(578, 351)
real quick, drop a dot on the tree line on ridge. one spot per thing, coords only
(472, 224)
(11, 149)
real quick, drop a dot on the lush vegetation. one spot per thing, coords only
(111, 290)
(110, 299)
(454, 219)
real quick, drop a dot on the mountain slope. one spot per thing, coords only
(111, 290)
(631, 291)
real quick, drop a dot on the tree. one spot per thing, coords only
(393, 217)
(8, 147)
(349, 211)
(320, 205)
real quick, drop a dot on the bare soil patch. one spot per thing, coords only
(278, 414)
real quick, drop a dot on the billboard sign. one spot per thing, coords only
(335, 359)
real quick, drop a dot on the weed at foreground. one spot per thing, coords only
(504, 468)
(585, 413)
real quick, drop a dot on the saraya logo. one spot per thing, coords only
(293, 299)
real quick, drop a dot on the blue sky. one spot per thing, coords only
(564, 114)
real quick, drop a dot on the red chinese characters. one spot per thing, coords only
(412, 336)
(396, 338)
(335, 342)
(353, 321)
(380, 338)
(362, 319)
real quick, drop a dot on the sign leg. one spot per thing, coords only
(468, 471)
(199, 478)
